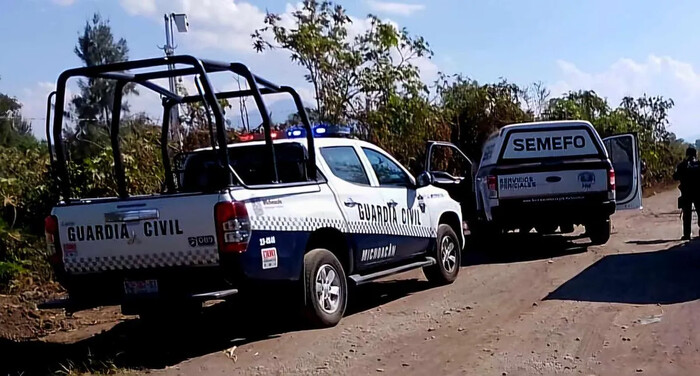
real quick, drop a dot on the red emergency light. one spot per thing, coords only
(259, 136)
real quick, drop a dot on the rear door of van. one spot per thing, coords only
(623, 152)
(549, 163)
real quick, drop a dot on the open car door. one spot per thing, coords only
(452, 171)
(623, 152)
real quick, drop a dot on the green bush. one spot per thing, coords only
(26, 199)
(27, 192)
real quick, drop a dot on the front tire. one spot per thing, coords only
(599, 232)
(326, 288)
(448, 256)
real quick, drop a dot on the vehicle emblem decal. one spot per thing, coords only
(587, 179)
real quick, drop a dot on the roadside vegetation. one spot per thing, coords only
(370, 81)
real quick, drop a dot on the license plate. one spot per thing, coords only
(149, 286)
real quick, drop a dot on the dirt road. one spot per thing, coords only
(550, 306)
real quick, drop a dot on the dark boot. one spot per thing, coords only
(687, 220)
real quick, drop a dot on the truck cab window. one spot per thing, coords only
(388, 173)
(345, 164)
(202, 173)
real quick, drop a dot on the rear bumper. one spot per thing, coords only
(555, 210)
(107, 288)
(174, 283)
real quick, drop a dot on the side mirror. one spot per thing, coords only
(424, 179)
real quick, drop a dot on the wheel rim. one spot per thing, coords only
(328, 288)
(448, 254)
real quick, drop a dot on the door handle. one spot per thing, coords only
(350, 203)
(392, 204)
(132, 215)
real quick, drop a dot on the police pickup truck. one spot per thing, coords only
(310, 211)
(549, 175)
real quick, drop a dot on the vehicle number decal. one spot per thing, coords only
(269, 258)
(200, 241)
(269, 240)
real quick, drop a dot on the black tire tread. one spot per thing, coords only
(315, 317)
(599, 232)
(436, 274)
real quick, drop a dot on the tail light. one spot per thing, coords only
(53, 244)
(611, 184)
(232, 226)
(611, 180)
(492, 183)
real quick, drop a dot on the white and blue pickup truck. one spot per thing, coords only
(309, 209)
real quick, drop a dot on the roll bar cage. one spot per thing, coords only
(120, 72)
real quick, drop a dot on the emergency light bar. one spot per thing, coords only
(257, 136)
(321, 130)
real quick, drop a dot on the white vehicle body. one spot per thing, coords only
(558, 173)
(313, 212)
(384, 226)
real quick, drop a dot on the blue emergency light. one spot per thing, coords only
(320, 130)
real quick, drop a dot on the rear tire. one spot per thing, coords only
(448, 256)
(485, 233)
(326, 288)
(567, 228)
(546, 229)
(599, 232)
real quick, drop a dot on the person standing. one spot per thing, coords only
(688, 173)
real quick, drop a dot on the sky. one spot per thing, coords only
(617, 48)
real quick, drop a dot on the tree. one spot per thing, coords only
(536, 97)
(350, 75)
(581, 105)
(587, 105)
(92, 108)
(317, 43)
(475, 110)
(647, 117)
(651, 116)
(660, 148)
(14, 130)
(197, 120)
(403, 124)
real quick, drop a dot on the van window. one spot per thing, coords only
(489, 153)
(544, 143)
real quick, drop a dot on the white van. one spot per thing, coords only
(556, 174)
